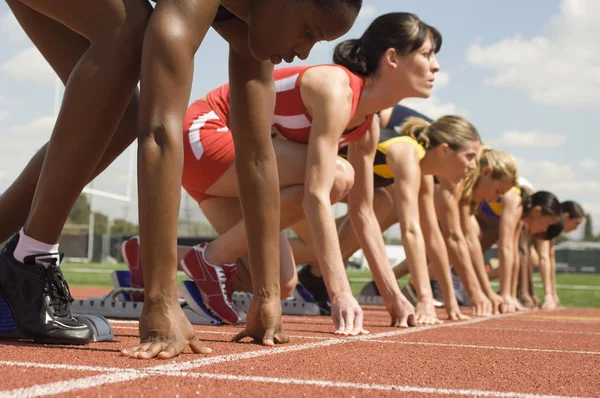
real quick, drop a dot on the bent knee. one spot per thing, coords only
(344, 180)
(288, 285)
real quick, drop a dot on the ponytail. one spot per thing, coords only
(418, 129)
(349, 54)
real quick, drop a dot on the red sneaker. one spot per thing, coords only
(130, 251)
(214, 283)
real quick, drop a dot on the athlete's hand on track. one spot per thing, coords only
(347, 315)
(425, 313)
(482, 306)
(263, 323)
(497, 301)
(454, 313)
(165, 332)
(401, 311)
(508, 305)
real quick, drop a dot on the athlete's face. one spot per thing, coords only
(571, 224)
(418, 70)
(457, 163)
(538, 222)
(285, 29)
(488, 189)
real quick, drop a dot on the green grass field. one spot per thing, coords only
(571, 287)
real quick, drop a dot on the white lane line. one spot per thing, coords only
(364, 386)
(231, 333)
(531, 330)
(485, 347)
(111, 378)
(62, 366)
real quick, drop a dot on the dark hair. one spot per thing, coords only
(546, 200)
(402, 31)
(329, 4)
(552, 232)
(572, 208)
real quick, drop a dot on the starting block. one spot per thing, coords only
(117, 303)
(102, 331)
(295, 305)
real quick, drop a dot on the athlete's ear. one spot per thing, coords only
(445, 148)
(536, 211)
(487, 170)
(391, 57)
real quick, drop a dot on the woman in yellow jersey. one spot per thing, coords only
(503, 224)
(406, 160)
(495, 173)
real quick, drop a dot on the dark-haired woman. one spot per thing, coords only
(543, 254)
(102, 48)
(318, 110)
(501, 221)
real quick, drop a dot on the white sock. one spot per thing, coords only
(28, 246)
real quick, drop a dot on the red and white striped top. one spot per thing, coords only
(291, 116)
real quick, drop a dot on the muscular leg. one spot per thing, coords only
(15, 202)
(90, 112)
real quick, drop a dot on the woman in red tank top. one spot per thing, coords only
(318, 110)
(97, 47)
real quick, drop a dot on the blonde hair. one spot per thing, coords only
(455, 131)
(503, 167)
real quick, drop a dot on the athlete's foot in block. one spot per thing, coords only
(213, 282)
(549, 303)
(347, 315)
(165, 332)
(401, 311)
(482, 306)
(39, 297)
(130, 251)
(425, 313)
(263, 323)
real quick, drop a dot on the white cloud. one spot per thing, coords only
(530, 139)
(3, 100)
(4, 115)
(589, 164)
(30, 66)
(40, 128)
(560, 67)
(11, 28)
(543, 172)
(442, 79)
(367, 12)
(432, 107)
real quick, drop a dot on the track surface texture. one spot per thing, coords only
(530, 354)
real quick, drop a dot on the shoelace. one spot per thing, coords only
(58, 291)
(223, 283)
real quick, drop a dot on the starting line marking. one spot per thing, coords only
(119, 375)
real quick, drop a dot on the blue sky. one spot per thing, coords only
(527, 74)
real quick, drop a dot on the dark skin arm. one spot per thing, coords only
(173, 35)
(252, 99)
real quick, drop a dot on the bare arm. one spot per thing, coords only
(509, 225)
(174, 33)
(252, 98)
(475, 251)
(403, 160)
(362, 216)
(448, 210)
(543, 249)
(435, 245)
(328, 96)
